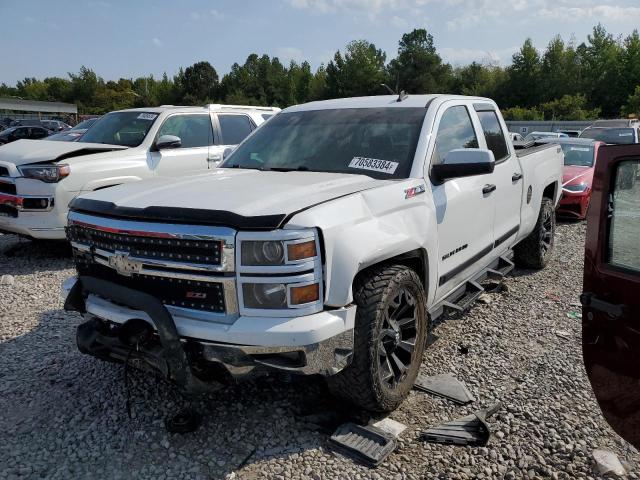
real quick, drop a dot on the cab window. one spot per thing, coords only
(193, 130)
(454, 132)
(624, 227)
(234, 128)
(493, 134)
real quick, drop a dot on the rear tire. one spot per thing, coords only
(389, 339)
(535, 250)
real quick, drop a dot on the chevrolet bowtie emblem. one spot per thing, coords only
(123, 264)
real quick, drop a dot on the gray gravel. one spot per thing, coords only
(62, 414)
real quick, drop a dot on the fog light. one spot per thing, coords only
(265, 295)
(306, 294)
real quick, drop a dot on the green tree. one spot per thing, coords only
(418, 68)
(524, 77)
(359, 72)
(200, 83)
(522, 114)
(559, 70)
(569, 107)
(604, 84)
(632, 107)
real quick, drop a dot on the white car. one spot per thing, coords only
(322, 245)
(38, 179)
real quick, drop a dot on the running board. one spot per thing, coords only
(463, 297)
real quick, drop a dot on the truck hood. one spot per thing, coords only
(574, 175)
(24, 152)
(232, 197)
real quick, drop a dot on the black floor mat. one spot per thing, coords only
(368, 445)
(471, 430)
(446, 386)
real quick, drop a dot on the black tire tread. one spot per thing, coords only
(354, 383)
(527, 254)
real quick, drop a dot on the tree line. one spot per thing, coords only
(567, 81)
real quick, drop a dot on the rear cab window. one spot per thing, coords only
(493, 134)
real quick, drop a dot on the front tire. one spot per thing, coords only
(535, 250)
(389, 339)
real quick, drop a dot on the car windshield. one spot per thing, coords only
(379, 142)
(85, 124)
(120, 128)
(578, 155)
(7, 132)
(610, 135)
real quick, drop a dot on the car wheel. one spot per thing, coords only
(389, 339)
(535, 250)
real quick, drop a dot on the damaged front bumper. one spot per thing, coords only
(116, 317)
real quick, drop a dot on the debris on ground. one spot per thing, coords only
(608, 463)
(7, 280)
(574, 315)
(471, 430)
(390, 426)
(485, 298)
(365, 444)
(563, 334)
(446, 386)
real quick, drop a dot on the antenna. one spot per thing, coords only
(389, 89)
(401, 96)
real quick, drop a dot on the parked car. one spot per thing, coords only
(121, 147)
(533, 136)
(74, 133)
(55, 125)
(619, 136)
(323, 245)
(617, 123)
(580, 156)
(12, 134)
(610, 301)
(516, 137)
(571, 133)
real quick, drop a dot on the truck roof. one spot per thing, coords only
(378, 101)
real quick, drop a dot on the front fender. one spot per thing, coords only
(368, 228)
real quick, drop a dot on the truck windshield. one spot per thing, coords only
(120, 128)
(378, 142)
(610, 135)
(578, 155)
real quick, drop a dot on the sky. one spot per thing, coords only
(132, 38)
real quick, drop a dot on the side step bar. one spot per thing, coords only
(463, 297)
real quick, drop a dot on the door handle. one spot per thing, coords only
(516, 177)
(589, 300)
(487, 189)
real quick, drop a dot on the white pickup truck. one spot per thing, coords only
(38, 178)
(325, 244)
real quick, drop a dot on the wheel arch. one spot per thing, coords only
(417, 260)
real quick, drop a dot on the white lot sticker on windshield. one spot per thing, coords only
(147, 116)
(625, 134)
(580, 149)
(374, 164)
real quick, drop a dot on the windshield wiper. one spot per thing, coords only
(287, 169)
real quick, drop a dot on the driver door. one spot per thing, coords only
(611, 297)
(196, 135)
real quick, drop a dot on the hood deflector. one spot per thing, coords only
(191, 216)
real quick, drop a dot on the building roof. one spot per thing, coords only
(18, 105)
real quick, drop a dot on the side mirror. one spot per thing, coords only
(168, 141)
(227, 151)
(464, 162)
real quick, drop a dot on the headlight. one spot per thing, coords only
(279, 273)
(47, 173)
(580, 187)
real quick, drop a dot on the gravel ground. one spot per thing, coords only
(62, 414)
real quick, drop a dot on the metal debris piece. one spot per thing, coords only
(563, 334)
(471, 430)
(446, 386)
(390, 426)
(368, 445)
(608, 463)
